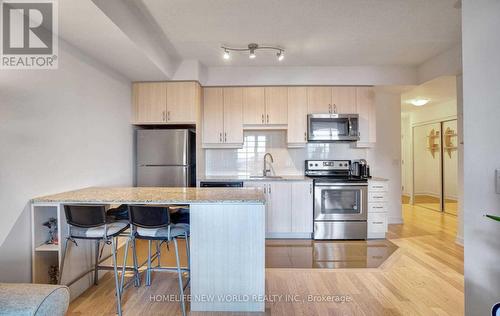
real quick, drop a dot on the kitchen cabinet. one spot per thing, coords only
(183, 99)
(254, 105)
(165, 102)
(344, 100)
(377, 208)
(265, 106)
(279, 215)
(289, 208)
(297, 117)
(222, 117)
(302, 207)
(365, 107)
(319, 100)
(276, 105)
(149, 101)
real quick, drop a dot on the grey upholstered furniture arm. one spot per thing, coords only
(33, 299)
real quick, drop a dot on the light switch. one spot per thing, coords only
(497, 180)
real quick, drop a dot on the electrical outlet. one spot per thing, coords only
(497, 180)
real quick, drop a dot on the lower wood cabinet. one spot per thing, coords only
(289, 208)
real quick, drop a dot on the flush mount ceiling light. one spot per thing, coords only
(418, 102)
(252, 48)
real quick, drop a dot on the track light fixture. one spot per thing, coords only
(251, 48)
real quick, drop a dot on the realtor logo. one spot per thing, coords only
(29, 34)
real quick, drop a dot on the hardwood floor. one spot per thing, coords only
(423, 277)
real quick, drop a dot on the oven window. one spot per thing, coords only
(326, 128)
(344, 201)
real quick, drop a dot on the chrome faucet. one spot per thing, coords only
(265, 170)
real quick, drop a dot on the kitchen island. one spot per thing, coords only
(227, 240)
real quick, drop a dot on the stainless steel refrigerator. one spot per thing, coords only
(166, 158)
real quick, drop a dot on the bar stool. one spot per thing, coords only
(89, 222)
(152, 223)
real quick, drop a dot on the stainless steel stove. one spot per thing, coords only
(340, 200)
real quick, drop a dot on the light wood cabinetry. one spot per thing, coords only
(365, 107)
(233, 116)
(149, 101)
(222, 117)
(182, 102)
(276, 105)
(344, 100)
(254, 106)
(302, 207)
(165, 102)
(289, 208)
(297, 117)
(319, 100)
(213, 115)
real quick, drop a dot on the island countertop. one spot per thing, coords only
(160, 195)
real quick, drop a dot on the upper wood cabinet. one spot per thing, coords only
(297, 117)
(233, 116)
(344, 100)
(183, 100)
(254, 106)
(365, 107)
(165, 102)
(265, 106)
(149, 101)
(222, 117)
(276, 105)
(319, 100)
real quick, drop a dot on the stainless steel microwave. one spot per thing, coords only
(332, 127)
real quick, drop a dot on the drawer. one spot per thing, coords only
(377, 225)
(377, 197)
(376, 207)
(379, 186)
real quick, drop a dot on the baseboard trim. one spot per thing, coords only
(395, 220)
(289, 235)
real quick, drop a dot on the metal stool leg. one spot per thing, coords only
(158, 253)
(148, 272)
(96, 271)
(117, 285)
(136, 269)
(179, 274)
(188, 255)
(122, 281)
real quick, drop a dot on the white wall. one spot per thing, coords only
(446, 63)
(60, 130)
(481, 77)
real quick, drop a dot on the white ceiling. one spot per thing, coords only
(313, 32)
(439, 91)
(84, 25)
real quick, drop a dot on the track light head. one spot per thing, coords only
(226, 54)
(280, 55)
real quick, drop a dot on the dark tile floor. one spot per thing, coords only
(290, 253)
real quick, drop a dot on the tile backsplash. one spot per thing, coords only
(287, 161)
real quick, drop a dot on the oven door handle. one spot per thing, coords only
(337, 184)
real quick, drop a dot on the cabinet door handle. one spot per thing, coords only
(265, 189)
(310, 188)
(329, 108)
(168, 115)
(378, 207)
(262, 118)
(305, 135)
(225, 137)
(220, 137)
(335, 108)
(377, 222)
(269, 189)
(163, 116)
(268, 118)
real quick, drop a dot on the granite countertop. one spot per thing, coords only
(247, 178)
(160, 195)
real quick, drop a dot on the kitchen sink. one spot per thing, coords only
(266, 177)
